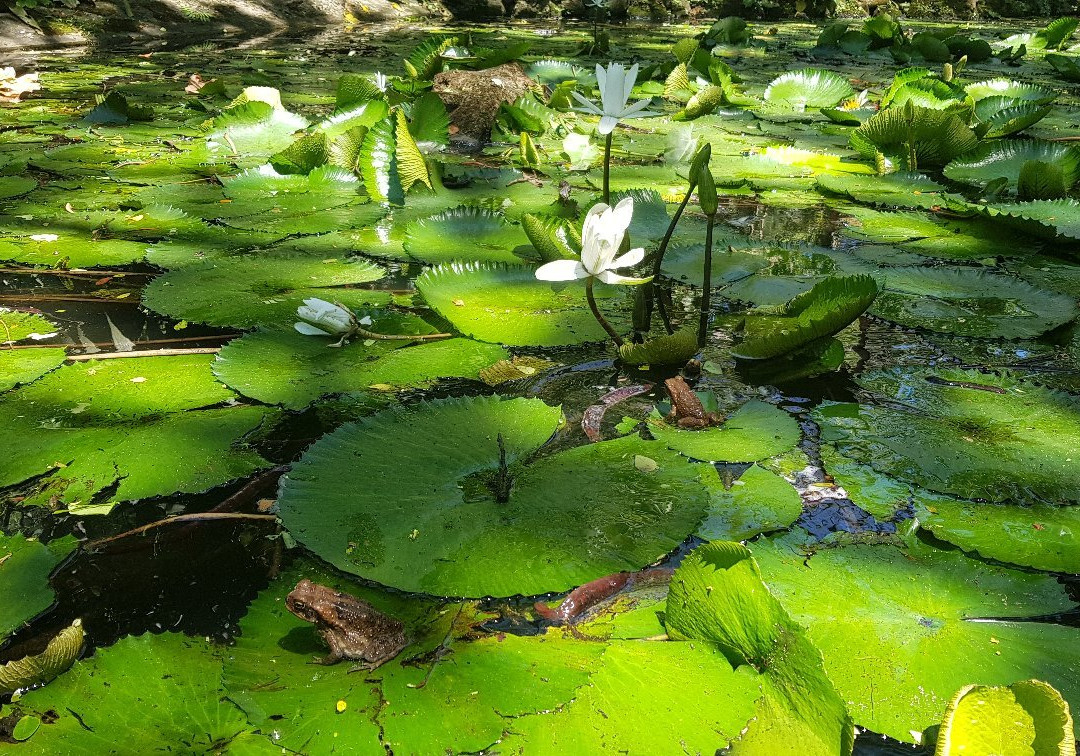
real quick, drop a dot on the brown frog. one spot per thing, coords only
(686, 409)
(351, 627)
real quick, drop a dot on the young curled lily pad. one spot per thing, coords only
(1028, 716)
(30, 671)
(753, 432)
(824, 310)
(459, 525)
(964, 433)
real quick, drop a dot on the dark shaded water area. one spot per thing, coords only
(198, 577)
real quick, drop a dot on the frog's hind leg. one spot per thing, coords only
(336, 654)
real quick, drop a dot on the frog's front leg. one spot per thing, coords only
(337, 653)
(692, 422)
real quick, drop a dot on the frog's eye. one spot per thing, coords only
(298, 604)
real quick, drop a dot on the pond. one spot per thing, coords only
(806, 465)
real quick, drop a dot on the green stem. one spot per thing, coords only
(596, 312)
(658, 260)
(706, 284)
(607, 167)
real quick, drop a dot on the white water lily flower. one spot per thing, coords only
(597, 4)
(601, 238)
(322, 318)
(615, 83)
(44, 237)
(381, 81)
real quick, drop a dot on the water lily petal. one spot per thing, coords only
(607, 125)
(587, 105)
(637, 110)
(628, 83)
(633, 257)
(561, 270)
(621, 216)
(309, 330)
(614, 278)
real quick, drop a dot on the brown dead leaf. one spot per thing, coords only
(195, 83)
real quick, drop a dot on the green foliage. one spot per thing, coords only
(1029, 715)
(914, 136)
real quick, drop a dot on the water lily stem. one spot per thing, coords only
(607, 168)
(401, 336)
(596, 312)
(706, 284)
(658, 257)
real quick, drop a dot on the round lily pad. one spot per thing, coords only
(429, 519)
(247, 291)
(759, 501)
(755, 431)
(964, 433)
(507, 305)
(896, 631)
(1042, 536)
(153, 691)
(16, 326)
(15, 186)
(465, 233)
(808, 88)
(25, 365)
(24, 577)
(291, 369)
(92, 434)
(970, 302)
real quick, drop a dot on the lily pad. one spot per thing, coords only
(26, 365)
(824, 310)
(293, 370)
(95, 433)
(266, 289)
(507, 305)
(24, 577)
(465, 233)
(1061, 215)
(1042, 536)
(893, 189)
(753, 432)
(760, 501)
(970, 302)
(896, 630)
(808, 88)
(964, 433)
(717, 596)
(16, 186)
(39, 669)
(992, 161)
(16, 326)
(440, 529)
(1028, 716)
(159, 690)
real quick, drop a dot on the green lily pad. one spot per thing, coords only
(507, 305)
(992, 161)
(808, 88)
(892, 189)
(157, 690)
(26, 365)
(958, 239)
(826, 309)
(1042, 536)
(896, 633)
(1008, 440)
(293, 370)
(264, 289)
(753, 432)
(970, 302)
(24, 577)
(717, 596)
(95, 433)
(1061, 215)
(760, 501)
(697, 703)
(16, 326)
(465, 233)
(440, 530)
(16, 186)
(1026, 717)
